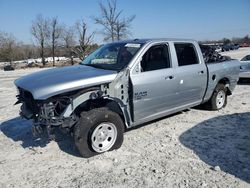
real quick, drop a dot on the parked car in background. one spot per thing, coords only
(8, 68)
(226, 47)
(229, 47)
(244, 45)
(245, 67)
(236, 46)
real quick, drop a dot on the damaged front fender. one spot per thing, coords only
(116, 91)
(76, 102)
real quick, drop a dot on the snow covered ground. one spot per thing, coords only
(28, 63)
(38, 60)
(193, 148)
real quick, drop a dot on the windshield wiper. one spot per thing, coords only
(99, 66)
(92, 65)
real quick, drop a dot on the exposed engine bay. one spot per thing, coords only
(47, 113)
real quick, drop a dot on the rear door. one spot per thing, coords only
(154, 86)
(191, 74)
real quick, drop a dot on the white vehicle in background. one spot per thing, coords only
(245, 67)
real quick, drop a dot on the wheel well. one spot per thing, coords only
(225, 81)
(113, 106)
(99, 103)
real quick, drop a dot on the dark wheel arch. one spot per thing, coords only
(226, 82)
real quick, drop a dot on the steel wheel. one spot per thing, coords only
(103, 137)
(220, 99)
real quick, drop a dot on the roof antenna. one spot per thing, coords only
(136, 39)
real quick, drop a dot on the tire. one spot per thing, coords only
(97, 131)
(219, 98)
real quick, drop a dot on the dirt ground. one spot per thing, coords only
(193, 148)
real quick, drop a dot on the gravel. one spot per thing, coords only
(194, 148)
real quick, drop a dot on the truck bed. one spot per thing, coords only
(230, 72)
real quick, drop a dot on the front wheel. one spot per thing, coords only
(219, 98)
(97, 131)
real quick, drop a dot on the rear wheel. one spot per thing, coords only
(219, 98)
(98, 131)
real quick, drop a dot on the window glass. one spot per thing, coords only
(157, 57)
(246, 58)
(114, 56)
(186, 54)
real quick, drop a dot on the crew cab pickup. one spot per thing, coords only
(122, 85)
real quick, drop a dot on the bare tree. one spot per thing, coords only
(7, 47)
(122, 28)
(68, 37)
(11, 49)
(84, 39)
(115, 28)
(26, 51)
(56, 32)
(226, 41)
(40, 30)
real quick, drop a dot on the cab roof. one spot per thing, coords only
(143, 41)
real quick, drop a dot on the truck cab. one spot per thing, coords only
(163, 79)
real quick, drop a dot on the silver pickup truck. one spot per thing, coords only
(121, 85)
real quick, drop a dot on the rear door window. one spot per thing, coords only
(186, 54)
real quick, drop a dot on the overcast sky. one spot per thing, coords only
(195, 19)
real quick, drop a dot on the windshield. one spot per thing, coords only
(114, 56)
(246, 58)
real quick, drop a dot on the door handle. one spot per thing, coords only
(169, 77)
(201, 72)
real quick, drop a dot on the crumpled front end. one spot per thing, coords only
(45, 113)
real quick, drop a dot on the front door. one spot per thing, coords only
(155, 86)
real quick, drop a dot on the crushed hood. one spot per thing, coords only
(47, 83)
